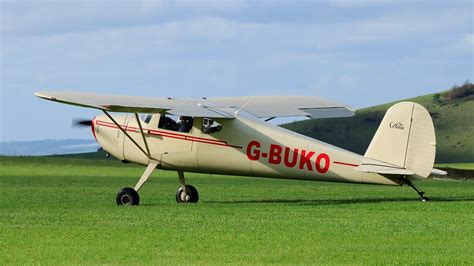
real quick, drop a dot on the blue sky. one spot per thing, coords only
(361, 53)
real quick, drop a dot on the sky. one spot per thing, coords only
(361, 52)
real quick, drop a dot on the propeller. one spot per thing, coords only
(81, 123)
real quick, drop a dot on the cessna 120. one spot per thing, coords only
(231, 136)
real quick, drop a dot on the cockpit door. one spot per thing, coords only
(168, 139)
(166, 144)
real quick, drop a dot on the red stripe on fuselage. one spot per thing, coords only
(347, 164)
(169, 135)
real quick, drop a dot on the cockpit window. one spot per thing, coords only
(145, 118)
(167, 122)
(210, 126)
(184, 123)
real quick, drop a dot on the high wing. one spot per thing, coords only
(258, 106)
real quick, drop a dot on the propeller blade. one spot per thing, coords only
(81, 123)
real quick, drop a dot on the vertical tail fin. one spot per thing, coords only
(405, 140)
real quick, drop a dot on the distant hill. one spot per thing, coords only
(452, 112)
(47, 147)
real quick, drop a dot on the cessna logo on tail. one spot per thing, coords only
(398, 125)
(290, 157)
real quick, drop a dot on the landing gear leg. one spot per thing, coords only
(129, 196)
(418, 190)
(186, 193)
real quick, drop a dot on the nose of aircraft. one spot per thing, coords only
(79, 123)
(93, 128)
(108, 135)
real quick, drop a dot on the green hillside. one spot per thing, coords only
(452, 112)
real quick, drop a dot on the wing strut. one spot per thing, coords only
(143, 135)
(147, 153)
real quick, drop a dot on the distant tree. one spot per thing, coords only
(460, 92)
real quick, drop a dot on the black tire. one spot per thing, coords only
(192, 195)
(127, 196)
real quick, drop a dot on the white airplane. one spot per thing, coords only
(231, 136)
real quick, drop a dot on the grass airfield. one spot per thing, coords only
(462, 166)
(63, 211)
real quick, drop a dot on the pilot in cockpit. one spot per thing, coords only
(185, 124)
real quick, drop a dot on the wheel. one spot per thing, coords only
(127, 196)
(192, 195)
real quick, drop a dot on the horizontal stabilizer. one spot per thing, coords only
(393, 171)
(383, 170)
(435, 171)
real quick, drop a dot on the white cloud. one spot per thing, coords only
(461, 47)
(409, 24)
(169, 38)
(212, 4)
(148, 6)
(52, 17)
(360, 3)
(469, 39)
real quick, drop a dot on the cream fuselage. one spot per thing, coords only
(245, 146)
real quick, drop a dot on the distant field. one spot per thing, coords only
(62, 211)
(463, 166)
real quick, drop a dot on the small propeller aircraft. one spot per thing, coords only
(232, 136)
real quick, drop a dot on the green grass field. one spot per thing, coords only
(62, 211)
(463, 166)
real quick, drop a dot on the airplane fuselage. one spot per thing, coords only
(244, 146)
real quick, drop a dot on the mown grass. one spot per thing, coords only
(62, 211)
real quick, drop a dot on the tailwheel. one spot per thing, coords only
(418, 190)
(127, 196)
(191, 195)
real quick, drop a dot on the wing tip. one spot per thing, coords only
(44, 95)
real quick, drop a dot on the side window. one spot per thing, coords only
(145, 118)
(210, 126)
(167, 122)
(183, 124)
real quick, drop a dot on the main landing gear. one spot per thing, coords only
(186, 193)
(129, 196)
(418, 190)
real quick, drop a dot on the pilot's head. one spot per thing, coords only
(184, 118)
